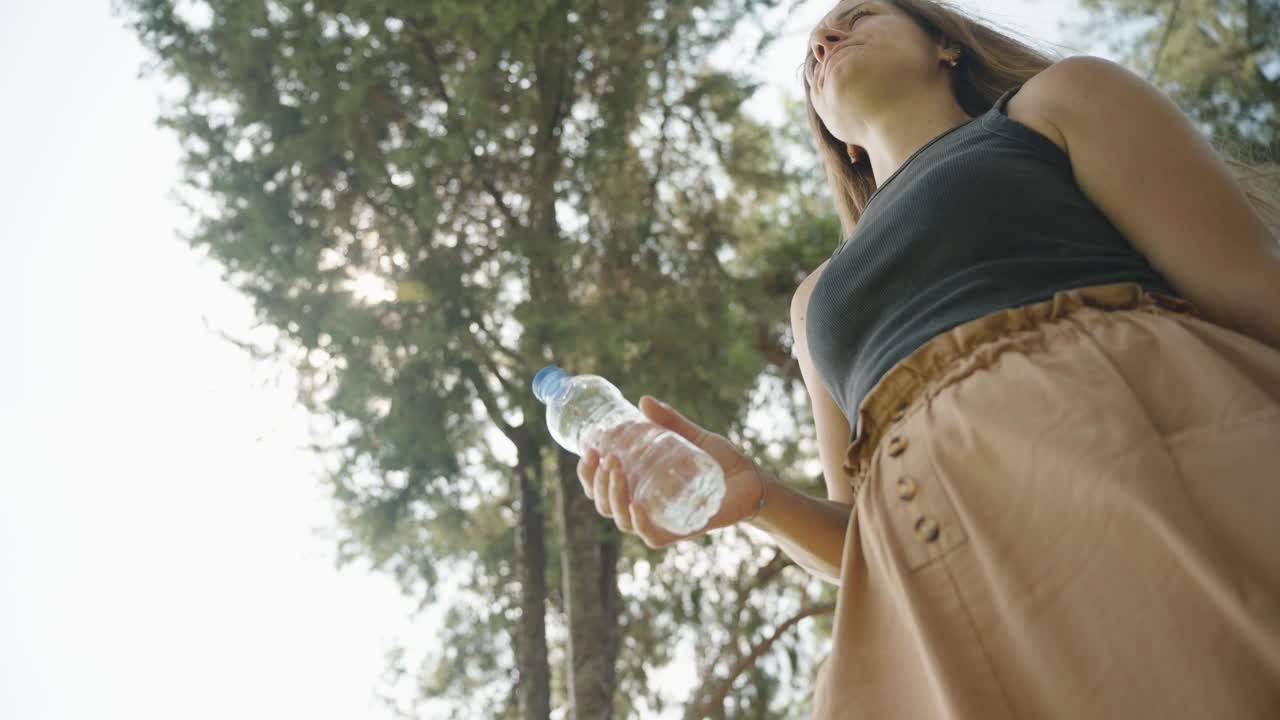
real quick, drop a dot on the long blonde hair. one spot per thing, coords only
(991, 63)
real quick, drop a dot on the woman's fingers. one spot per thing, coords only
(653, 536)
(604, 481)
(600, 486)
(597, 482)
(587, 470)
(619, 502)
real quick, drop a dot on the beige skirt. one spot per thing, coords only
(1069, 509)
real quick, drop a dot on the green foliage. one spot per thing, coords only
(431, 201)
(1218, 59)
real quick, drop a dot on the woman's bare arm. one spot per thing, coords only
(810, 530)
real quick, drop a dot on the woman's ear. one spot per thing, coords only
(855, 153)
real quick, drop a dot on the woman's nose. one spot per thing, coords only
(824, 40)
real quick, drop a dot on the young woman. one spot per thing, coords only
(1045, 374)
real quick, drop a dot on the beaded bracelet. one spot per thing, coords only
(762, 492)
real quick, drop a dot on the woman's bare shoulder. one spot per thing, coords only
(1030, 106)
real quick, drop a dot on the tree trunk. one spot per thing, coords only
(589, 555)
(535, 670)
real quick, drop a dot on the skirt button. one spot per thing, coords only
(897, 445)
(906, 488)
(927, 529)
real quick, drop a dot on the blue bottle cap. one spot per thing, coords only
(548, 383)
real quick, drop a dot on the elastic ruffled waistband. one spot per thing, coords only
(933, 366)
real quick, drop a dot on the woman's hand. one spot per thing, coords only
(606, 481)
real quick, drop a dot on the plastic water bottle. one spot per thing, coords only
(679, 485)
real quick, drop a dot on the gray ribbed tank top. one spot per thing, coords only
(984, 217)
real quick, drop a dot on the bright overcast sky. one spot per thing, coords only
(162, 530)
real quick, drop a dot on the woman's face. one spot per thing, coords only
(864, 52)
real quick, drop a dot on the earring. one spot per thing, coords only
(854, 154)
(953, 61)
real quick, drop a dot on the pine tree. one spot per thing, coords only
(430, 202)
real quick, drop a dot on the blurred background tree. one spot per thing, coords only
(1218, 59)
(432, 201)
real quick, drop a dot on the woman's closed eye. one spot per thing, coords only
(854, 17)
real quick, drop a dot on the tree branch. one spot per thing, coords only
(1270, 88)
(454, 125)
(1168, 30)
(472, 372)
(496, 345)
(764, 574)
(496, 194)
(716, 699)
(1250, 14)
